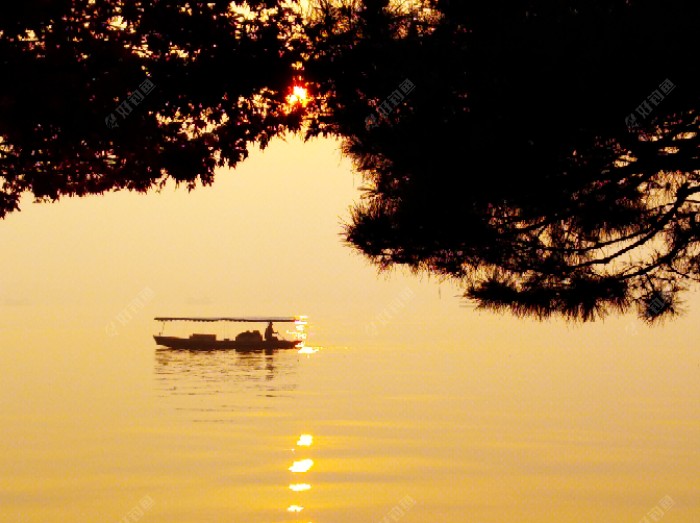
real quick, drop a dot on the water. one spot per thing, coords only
(115, 429)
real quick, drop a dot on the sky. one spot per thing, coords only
(265, 239)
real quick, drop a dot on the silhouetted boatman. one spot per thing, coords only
(269, 332)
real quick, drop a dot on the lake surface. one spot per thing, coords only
(111, 428)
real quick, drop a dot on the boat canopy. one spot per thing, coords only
(274, 319)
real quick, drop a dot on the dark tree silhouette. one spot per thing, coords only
(219, 78)
(547, 157)
(511, 167)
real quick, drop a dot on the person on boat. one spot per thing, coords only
(270, 332)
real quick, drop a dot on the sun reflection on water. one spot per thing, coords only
(305, 440)
(300, 466)
(300, 334)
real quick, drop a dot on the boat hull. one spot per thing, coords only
(173, 342)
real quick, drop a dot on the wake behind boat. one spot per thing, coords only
(245, 341)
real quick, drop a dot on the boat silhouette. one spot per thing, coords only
(249, 340)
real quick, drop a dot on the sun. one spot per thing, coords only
(299, 96)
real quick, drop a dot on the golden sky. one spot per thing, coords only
(264, 239)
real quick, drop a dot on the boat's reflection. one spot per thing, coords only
(221, 371)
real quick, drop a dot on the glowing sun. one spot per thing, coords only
(299, 96)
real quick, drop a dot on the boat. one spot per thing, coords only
(251, 340)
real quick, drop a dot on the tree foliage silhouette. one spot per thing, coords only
(511, 167)
(220, 76)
